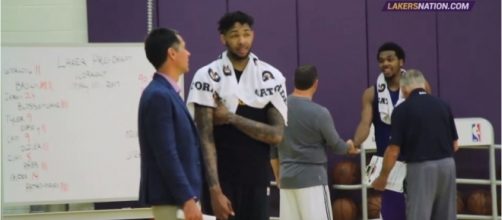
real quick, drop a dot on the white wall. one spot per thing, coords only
(44, 21)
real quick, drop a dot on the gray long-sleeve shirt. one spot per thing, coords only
(302, 153)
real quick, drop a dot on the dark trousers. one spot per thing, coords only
(393, 206)
(248, 202)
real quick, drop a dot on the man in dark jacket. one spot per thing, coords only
(171, 176)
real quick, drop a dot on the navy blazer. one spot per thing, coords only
(170, 147)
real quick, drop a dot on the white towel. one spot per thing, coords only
(260, 84)
(385, 106)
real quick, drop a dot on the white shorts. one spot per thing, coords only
(306, 203)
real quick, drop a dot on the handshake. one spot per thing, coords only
(352, 149)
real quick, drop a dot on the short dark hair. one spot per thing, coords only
(393, 47)
(305, 76)
(229, 19)
(157, 43)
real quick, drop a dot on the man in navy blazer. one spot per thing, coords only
(171, 174)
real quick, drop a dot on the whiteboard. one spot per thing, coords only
(69, 122)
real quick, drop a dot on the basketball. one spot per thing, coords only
(344, 209)
(460, 203)
(479, 202)
(346, 172)
(374, 204)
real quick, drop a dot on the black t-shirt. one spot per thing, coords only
(238, 74)
(242, 159)
(423, 127)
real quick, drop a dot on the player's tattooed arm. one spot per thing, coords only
(204, 122)
(270, 133)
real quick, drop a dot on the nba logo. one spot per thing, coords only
(476, 132)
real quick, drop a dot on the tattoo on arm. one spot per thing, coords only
(204, 121)
(269, 133)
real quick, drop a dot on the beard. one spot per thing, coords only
(235, 56)
(392, 74)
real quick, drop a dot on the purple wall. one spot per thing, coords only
(116, 20)
(453, 49)
(469, 66)
(415, 32)
(469, 62)
(333, 38)
(459, 52)
(199, 27)
(275, 33)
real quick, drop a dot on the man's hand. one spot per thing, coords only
(380, 183)
(221, 115)
(191, 210)
(352, 150)
(455, 146)
(276, 168)
(222, 207)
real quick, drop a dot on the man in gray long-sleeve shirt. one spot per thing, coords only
(302, 153)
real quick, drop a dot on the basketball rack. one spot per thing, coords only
(474, 133)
